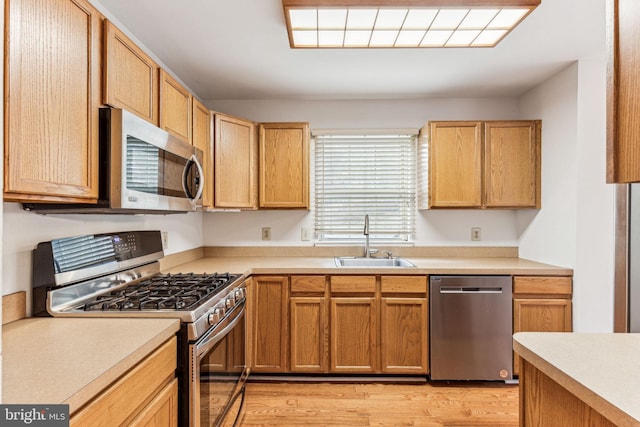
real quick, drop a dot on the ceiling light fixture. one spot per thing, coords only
(402, 23)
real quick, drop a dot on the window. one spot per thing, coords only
(365, 174)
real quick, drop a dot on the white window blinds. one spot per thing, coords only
(365, 174)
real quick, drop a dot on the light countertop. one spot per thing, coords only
(602, 370)
(70, 360)
(325, 265)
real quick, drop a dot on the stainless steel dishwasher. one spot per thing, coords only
(470, 328)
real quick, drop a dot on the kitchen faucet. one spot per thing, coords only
(366, 236)
(367, 250)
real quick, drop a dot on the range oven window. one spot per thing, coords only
(221, 374)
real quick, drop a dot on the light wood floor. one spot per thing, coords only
(331, 404)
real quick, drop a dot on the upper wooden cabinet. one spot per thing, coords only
(203, 139)
(130, 75)
(623, 84)
(52, 96)
(284, 165)
(512, 164)
(455, 164)
(484, 164)
(236, 169)
(175, 107)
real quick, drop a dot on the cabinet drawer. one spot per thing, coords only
(541, 285)
(308, 284)
(353, 284)
(404, 284)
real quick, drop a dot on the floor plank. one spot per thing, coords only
(339, 404)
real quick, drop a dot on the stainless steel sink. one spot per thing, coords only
(349, 261)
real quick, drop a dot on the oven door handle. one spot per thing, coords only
(208, 342)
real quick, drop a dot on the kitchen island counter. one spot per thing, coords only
(575, 378)
(71, 360)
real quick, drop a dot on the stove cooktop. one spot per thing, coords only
(172, 292)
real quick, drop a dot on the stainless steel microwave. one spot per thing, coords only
(143, 169)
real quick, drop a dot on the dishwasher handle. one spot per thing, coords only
(470, 290)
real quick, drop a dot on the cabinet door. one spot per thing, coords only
(284, 165)
(623, 83)
(175, 107)
(353, 334)
(455, 164)
(203, 139)
(130, 75)
(540, 315)
(404, 335)
(235, 171)
(162, 410)
(270, 323)
(512, 166)
(308, 330)
(52, 95)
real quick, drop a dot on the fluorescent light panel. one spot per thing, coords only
(362, 26)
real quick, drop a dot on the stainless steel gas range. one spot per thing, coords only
(118, 275)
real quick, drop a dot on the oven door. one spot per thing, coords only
(218, 372)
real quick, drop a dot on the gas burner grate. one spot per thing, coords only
(182, 291)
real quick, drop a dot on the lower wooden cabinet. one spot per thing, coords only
(146, 396)
(353, 328)
(404, 324)
(309, 325)
(353, 335)
(546, 402)
(269, 323)
(541, 304)
(344, 324)
(371, 324)
(163, 409)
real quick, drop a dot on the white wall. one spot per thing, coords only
(433, 228)
(575, 226)
(549, 235)
(23, 230)
(595, 219)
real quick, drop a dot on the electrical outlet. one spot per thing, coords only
(304, 234)
(476, 233)
(165, 239)
(266, 233)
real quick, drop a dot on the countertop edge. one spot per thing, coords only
(590, 397)
(258, 265)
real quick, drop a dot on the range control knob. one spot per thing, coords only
(239, 293)
(214, 317)
(229, 302)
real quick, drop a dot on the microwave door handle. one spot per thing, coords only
(185, 179)
(200, 180)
